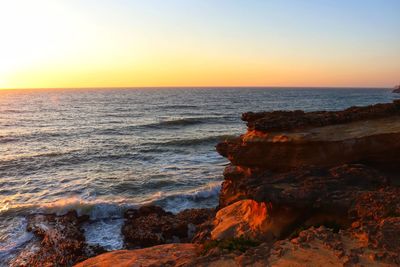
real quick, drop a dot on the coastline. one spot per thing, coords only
(341, 209)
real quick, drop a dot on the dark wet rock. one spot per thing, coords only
(61, 241)
(151, 225)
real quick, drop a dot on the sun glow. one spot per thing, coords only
(176, 43)
(30, 33)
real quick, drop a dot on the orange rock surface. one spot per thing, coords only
(162, 255)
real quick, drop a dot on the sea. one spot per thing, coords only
(101, 151)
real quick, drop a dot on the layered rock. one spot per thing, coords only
(302, 188)
(296, 160)
(284, 140)
(334, 169)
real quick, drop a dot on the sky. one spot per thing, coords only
(121, 43)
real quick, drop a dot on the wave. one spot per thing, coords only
(13, 111)
(5, 139)
(101, 209)
(199, 141)
(175, 107)
(95, 209)
(14, 237)
(30, 157)
(206, 196)
(106, 218)
(37, 136)
(182, 122)
(155, 146)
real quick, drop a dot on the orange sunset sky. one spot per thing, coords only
(58, 44)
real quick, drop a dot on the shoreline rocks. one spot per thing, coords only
(151, 225)
(60, 241)
(339, 170)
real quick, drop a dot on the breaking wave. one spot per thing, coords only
(102, 209)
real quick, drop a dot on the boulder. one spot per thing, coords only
(249, 219)
(60, 242)
(245, 218)
(151, 225)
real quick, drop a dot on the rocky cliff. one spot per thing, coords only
(336, 170)
(302, 189)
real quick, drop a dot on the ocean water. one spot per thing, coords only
(100, 151)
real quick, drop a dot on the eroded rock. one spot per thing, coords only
(291, 120)
(61, 241)
(337, 171)
(304, 189)
(376, 222)
(245, 218)
(322, 247)
(151, 225)
(321, 139)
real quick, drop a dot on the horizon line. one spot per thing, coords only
(199, 87)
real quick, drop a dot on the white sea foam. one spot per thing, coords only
(105, 232)
(96, 209)
(14, 237)
(106, 218)
(205, 196)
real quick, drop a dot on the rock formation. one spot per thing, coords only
(284, 140)
(245, 218)
(60, 241)
(332, 169)
(151, 225)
